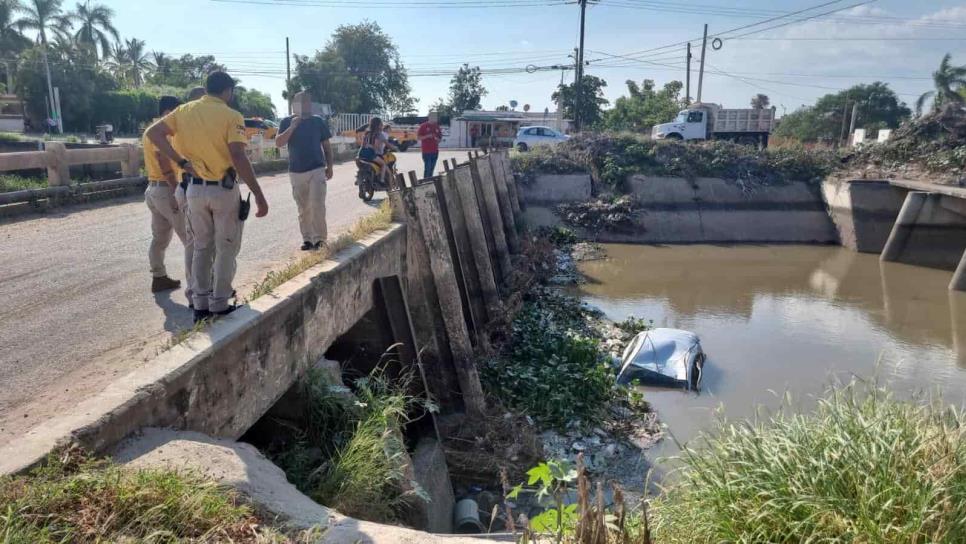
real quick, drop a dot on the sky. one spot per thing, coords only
(895, 41)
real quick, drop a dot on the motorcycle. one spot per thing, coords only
(368, 174)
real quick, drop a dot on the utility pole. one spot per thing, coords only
(687, 85)
(288, 74)
(855, 113)
(578, 99)
(704, 48)
(845, 118)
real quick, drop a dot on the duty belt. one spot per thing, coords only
(199, 181)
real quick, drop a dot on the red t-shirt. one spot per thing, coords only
(430, 145)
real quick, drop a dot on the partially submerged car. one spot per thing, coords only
(663, 357)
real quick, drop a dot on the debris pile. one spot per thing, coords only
(931, 147)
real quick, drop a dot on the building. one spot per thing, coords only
(497, 128)
(11, 114)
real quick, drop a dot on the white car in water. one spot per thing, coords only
(663, 356)
(528, 137)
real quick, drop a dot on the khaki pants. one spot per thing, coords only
(189, 245)
(217, 234)
(166, 217)
(309, 189)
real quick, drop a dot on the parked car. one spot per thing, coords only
(528, 137)
(663, 356)
(256, 125)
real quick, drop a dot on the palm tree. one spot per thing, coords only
(163, 65)
(138, 61)
(949, 80)
(11, 29)
(95, 27)
(46, 16)
(117, 61)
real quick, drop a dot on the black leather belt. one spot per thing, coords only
(196, 181)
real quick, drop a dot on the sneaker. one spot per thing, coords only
(201, 315)
(231, 308)
(307, 246)
(164, 283)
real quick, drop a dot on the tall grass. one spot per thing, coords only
(74, 498)
(368, 476)
(864, 467)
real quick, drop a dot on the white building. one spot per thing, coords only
(11, 114)
(497, 128)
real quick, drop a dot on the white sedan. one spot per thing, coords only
(528, 137)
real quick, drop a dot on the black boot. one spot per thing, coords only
(164, 283)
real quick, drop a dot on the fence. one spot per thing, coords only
(349, 121)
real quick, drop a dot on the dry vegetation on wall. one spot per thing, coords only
(612, 158)
(932, 146)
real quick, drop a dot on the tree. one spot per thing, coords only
(948, 80)
(95, 28)
(878, 107)
(253, 103)
(12, 39)
(186, 71)
(46, 16)
(591, 105)
(644, 106)
(760, 102)
(327, 79)
(466, 89)
(138, 63)
(370, 55)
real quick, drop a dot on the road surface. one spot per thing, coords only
(77, 310)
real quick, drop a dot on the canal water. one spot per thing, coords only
(776, 319)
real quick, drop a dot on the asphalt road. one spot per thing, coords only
(77, 310)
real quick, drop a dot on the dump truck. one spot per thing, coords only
(712, 122)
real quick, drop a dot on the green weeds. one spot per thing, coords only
(864, 467)
(10, 182)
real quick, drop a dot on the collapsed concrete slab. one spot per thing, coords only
(243, 468)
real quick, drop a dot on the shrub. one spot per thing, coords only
(9, 182)
(864, 467)
(10, 137)
(543, 160)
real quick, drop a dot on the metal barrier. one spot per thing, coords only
(349, 121)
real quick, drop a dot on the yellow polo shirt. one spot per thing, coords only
(151, 165)
(203, 129)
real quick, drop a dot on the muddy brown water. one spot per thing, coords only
(776, 319)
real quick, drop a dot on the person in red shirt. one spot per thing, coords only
(429, 136)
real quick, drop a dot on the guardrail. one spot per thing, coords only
(57, 159)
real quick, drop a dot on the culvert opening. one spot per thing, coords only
(357, 434)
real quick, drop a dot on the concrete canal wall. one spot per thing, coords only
(702, 210)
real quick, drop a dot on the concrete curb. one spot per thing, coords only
(188, 386)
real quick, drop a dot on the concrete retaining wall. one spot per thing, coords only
(221, 381)
(556, 188)
(708, 210)
(863, 211)
(930, 231)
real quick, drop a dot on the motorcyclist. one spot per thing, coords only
(374, 145)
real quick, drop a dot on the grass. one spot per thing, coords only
(75, 498)
(10, 137)
(10, 182)
(365, 226)
(367, 478)
(864, 467)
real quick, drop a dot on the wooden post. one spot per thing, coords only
(424, 306)
(473, 319)
(413, 178)
(131, 166)
(503, 197)
(58, 169)
(464, 251)
(425, 201)
(476, 232)
(483, 178)
(511, 184)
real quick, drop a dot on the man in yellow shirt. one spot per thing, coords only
(212, 137)
(181, 197)
(166, 215)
